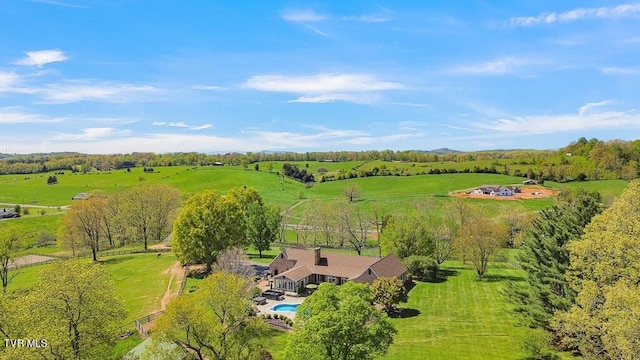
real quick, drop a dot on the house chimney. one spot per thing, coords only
(317, 252)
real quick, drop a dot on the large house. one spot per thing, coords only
(496, 190)
(294, 268)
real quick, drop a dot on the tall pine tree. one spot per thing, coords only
(545, 258)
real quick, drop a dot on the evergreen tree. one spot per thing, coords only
(545, 258)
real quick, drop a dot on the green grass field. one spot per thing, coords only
(141, 280)
(459, 318)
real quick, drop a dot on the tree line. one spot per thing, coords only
(141, 214)
(604, 159)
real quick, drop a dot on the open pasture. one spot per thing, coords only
(140, 280)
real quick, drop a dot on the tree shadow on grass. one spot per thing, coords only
(443, 275)
(402, 313)
(497, 278)
(115, 260)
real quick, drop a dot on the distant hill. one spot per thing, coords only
(441, 151)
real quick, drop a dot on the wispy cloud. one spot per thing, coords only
(359, 98)
(8, 81)
(90, 134)
(16, 115)
(316, 31)
(588, 107)
(201, 127)
(461, 128)
(60, 3)
(384, 16)
(170, 124)
(621, 71)
(497, 67)
(42, 57)
(584, 119)
(208, 87)
(321, 83)
(613, 12)
(298, 15)
(85, 90)
(418, 105)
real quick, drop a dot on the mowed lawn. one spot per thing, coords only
(458, 318)
(140, 280)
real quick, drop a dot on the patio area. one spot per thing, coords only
(266, 308)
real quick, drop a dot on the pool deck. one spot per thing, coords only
(266, 308)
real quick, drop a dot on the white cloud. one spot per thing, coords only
(201, 127)
(622, 71)
(294, 15)
(584, 119)
(8, 81)
(381, 17)
(84, 90)
(321, 83)
(419, 105)
(208, 87)
(497, 67)
(42, 57)
(15, 115)
(359, 98)
(178, 124)
(461, 128)
(614, 12)
(90, 134)
(317, 31)
(586, 108)
(60, 3)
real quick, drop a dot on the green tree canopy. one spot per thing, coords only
(339, 322)
(604, 322)
(263, 224)
(545, 257)
(73, 307)
(214, 322)
(388, 292)
(207, 224)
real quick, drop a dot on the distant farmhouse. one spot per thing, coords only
(497, 190)
(295, 268)
(530, 182)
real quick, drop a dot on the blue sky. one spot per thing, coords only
(116, 76)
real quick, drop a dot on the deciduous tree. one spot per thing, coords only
(207, 224)
(75, 309)
(9, 242)
(214, 323)
(352, 192)
(388, 292)
(479, 240)
(263, 223)
(339, 323)
(604, 322)
(84, 219)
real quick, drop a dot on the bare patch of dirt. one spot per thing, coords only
(29, 259)
(176, 275)
(528, 192)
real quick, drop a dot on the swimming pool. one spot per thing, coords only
(285, 307)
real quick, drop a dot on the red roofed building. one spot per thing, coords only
(294, 268)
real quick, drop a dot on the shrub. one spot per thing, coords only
(25, 211)
(535, 344)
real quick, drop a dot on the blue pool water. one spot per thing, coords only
(285, 307)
